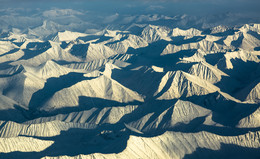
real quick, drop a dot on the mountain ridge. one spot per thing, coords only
(146, 91)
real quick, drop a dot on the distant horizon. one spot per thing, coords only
(166, 7)
(82, 19)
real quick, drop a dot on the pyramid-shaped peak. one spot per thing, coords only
(67, 36)
(178, 83)
(50, 63)
(207, 72)
(49, 69)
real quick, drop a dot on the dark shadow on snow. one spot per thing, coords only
(18, 115)
(81, 141)
(214, 58)
(34, 49)
(229, 151)
(179, 40)
(6, 65)
(151, 55)
(10, 52)
(224, 111)
(242, 94)
(85, 103)
(64, 44)
(76, 141)
(240, 70)
(18, 70)
(80, 50)
(257, 48)
(54, 85)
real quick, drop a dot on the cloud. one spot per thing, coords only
(111, 18)
(155, 7)
(60, 12)
(131, 7)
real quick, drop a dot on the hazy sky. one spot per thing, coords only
(168, 7)
(98, 14)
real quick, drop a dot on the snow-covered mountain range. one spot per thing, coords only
(138, 91)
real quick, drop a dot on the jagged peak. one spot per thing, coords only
(208, 66)
(250, 27)
(161, 30)
(240, 54)
(180, 83)
(189, 32)
(207, 72)
(91, 51)
(49, 69)
(219, 29)
(110, 33)
(15, 36)
(67, 36)
(49, 64)
(152, 33)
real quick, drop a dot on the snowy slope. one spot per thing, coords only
(90, 52)
(144, 91)
(178, 84)
(67, 36)
(121, 46)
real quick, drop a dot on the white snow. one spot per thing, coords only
(108, 98)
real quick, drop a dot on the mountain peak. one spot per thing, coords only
(176, 84)
(67, 36)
